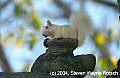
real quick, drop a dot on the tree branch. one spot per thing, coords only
(4, 4)
(4, 62)
(64, 7)
(118, 2)
(110, 4)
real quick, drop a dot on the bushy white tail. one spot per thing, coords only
(80, 21)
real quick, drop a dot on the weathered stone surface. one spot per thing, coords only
(58, 58)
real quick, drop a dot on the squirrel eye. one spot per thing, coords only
(46, 27)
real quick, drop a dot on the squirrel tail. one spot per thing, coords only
(80, 21)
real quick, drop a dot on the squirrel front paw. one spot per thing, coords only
(46, 41)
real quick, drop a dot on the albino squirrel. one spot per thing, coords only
(79, 28)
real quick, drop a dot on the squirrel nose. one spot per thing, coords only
(44, 35)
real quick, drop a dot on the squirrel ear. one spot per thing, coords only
(48, 22)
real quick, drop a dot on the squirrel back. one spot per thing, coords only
(79, 28)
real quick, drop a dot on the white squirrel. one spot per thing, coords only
(79, 28)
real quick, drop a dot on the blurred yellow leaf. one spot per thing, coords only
(108, 39)
(115, 34)
(35, 21)
(100, 76)
(26, 68)
(99, 39)
(17, 10)
(32, 42)
(103, 64)
(113, 60)
(18, 43)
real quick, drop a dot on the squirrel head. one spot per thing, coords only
(48, 30)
